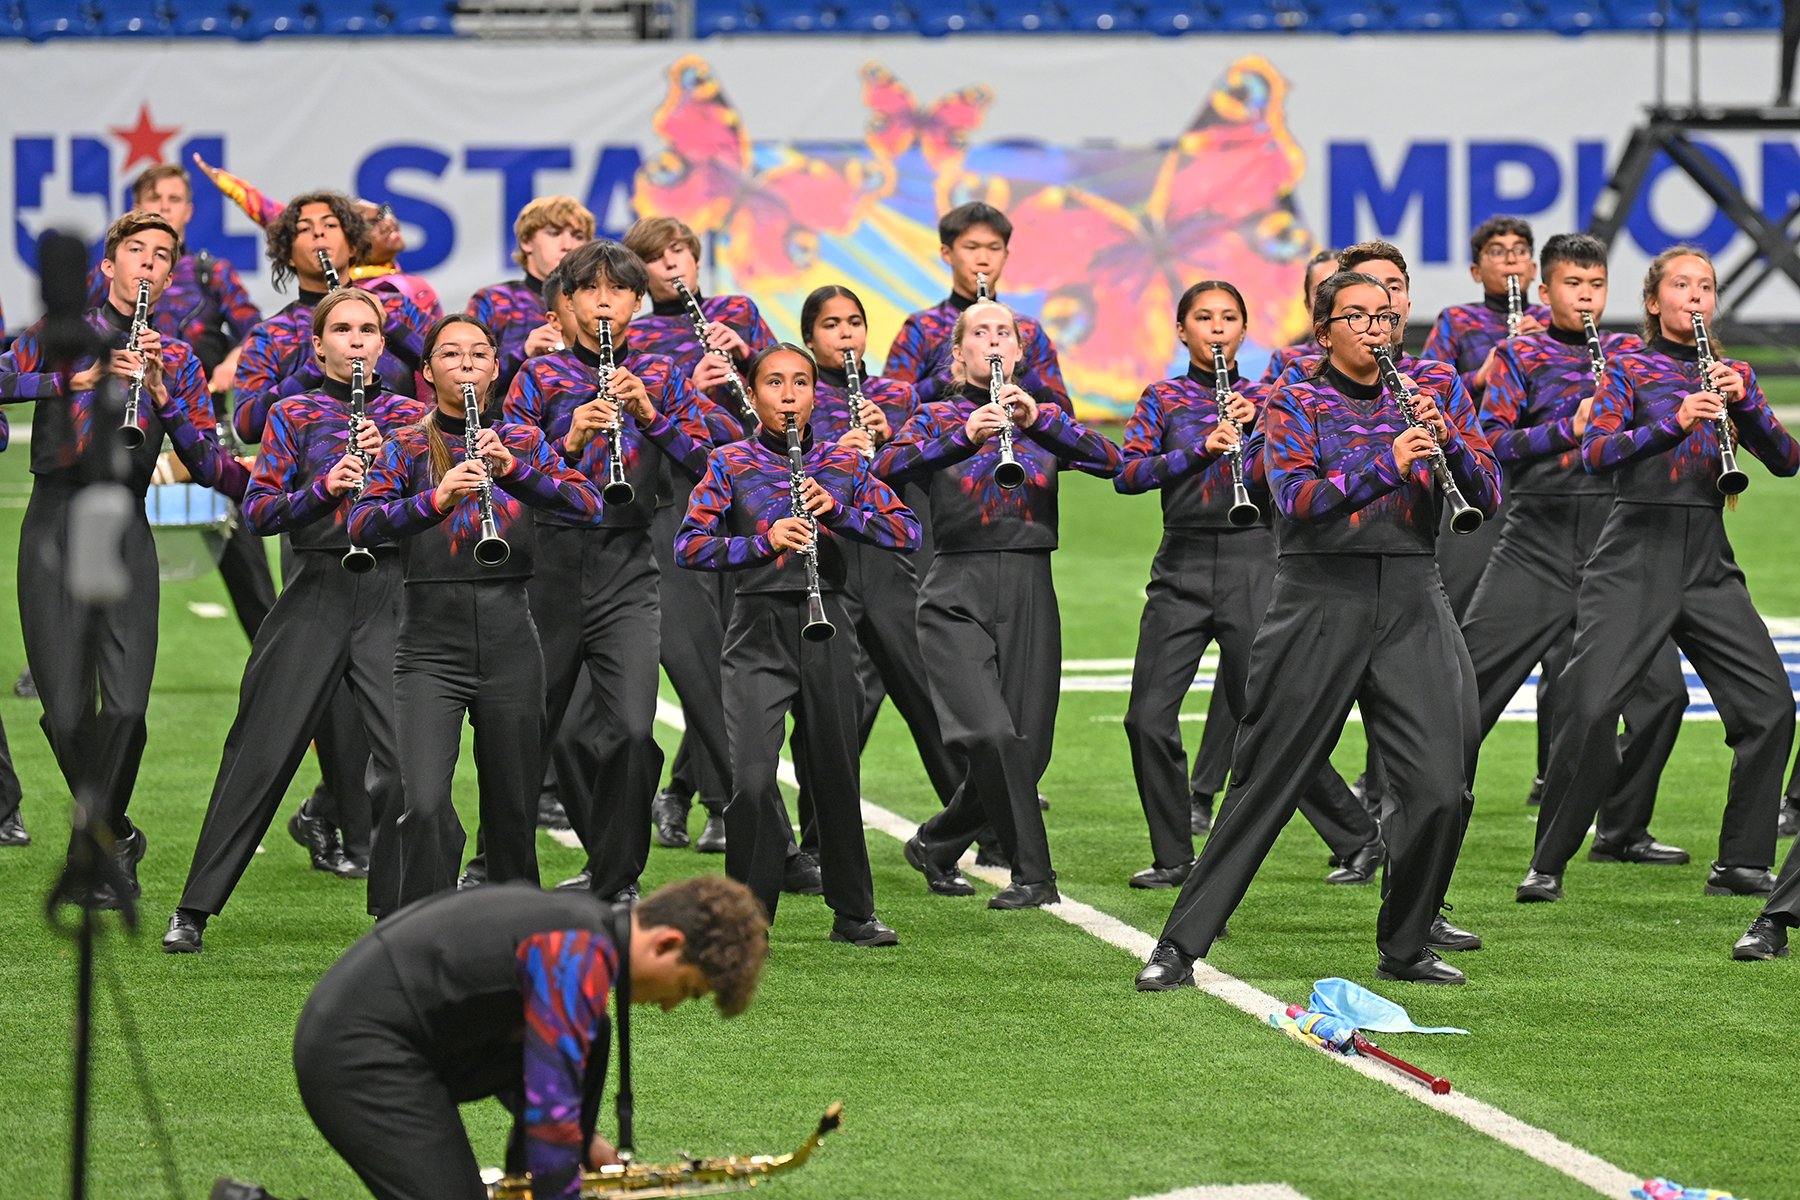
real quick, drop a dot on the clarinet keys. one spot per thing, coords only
(618, 489)
(1243, 512)
(818, 627)
(358, 560)
(491, 549)
(1732, 478)
(131, 431)
(1008, 474)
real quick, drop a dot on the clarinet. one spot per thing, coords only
(1007, 472)
(618, 489)
(358, 560)
(1464, 517)
(491, 550)
(1515, 306)
(982, 291)
(329, 271)
(818, 627)
(1244, 512)
(131, 434)
(697, 315)
(1596, 352)
(1731, 479)
(853, 391)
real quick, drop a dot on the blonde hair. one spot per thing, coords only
(341, 296)
(650, 236)
(547, 212)
(1659, 267)
(959, 369)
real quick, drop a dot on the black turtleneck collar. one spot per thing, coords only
(448, 425)
(310, 299)
(1568, 337)
(341, 391)
(675, 306)
(592, 357)
(961, 303)
(836, 377)
(1209, 380)
(1675, 350)
(777, 442)
(1348, 386)
(1497, 300)
(534, 285)
(115, 319)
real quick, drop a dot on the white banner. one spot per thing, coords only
(1132, 166)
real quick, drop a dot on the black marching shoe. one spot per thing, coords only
(1426, 968)
(473, 876)
(185, 927)
(1167, 969)
(320, 841)
(1154, 878)
(862, 933)
(12, 831)
(129, 851)
(712, 838)
(629, 894)
(1539, 888)
(1789, 823)
(1739, 881)
(583, 882)
(231, 1189)
(1535, 798)
(26, 687)
(669, 817)
(1765, 939)
(1043, 802)
(1649, 850)
(1026, 895)
(801, 876)
(1446, 937)
(550, 813)
(1200, 814)
(1361, 866)
(942, 880)
(987, 854)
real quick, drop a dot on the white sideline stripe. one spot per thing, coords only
(1230, 1191)
(1540, 1144)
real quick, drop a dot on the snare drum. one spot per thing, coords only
(181, 515)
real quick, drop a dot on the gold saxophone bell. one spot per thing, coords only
(693, 1177)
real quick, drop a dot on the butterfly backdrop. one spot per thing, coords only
(1104, 241)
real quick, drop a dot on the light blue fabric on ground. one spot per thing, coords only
(1364, 1009)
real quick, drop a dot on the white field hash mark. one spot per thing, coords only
(1546, 1147)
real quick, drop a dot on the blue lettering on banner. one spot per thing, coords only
(34, 160)
(1780, 179)
(206, 230)
(1485, 197)
(609, 195)
(438, 226)
(1648, 232)
(1591, 177)
(518, 167)
(1424, 176)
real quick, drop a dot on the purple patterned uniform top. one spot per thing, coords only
(1329, 454)
(1464, 333)
(666, 329)
(204, 305)
(565, 976)
(1528, 414)
(1286, 356)
(1635, 432)
(512, 310)
(969, 511)
(61, 433)
(747, 489)
(548, 389)
(831, 402)
(307, 436)
(1165, 447)
(398, 504)
(920, 354)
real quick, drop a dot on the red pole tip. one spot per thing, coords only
(1440, 1087)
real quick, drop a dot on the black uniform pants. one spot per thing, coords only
(375, 1091)
(104, 745)
(1524, 613)
(694, 609)
(330, 630)
(1665, 571)
(1212, 761)
(1209, 586)
(1375, 631)
(468, 649)
(769, 671)
(991, 634)
(594, 599)
(11, 791)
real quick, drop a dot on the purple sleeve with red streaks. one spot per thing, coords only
(541, 479)
(1075, 446)
(702, 544)
(565, 976)
(239, 310)
(22, 370)
(934, 438)
(1150, 461)
(512, 310)
(282, 495)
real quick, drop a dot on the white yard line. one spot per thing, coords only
(1540, 1144)
(1230, 1191)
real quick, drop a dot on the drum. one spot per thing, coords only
(181, 515)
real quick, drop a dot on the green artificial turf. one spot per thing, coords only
(994, 1054)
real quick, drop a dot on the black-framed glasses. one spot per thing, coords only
(449, 356)
(1359, 322)
(1495, 253)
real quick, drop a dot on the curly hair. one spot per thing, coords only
(285, 229)
(726, 929)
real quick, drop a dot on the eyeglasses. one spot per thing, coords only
(1495, 253)
(479, 357)
(1359, 322)
(384, 212)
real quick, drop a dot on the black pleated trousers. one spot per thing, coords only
(1524, 614)
(991, 635)
(1370, 630)
(695, 607)
(1664, 571)
(1207, 586)
(104, 743)
(594, 600)
(11, 791)
(769, 671)
(468, 650)
(1218, 734)
(329, 630)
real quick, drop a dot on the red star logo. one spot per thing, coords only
(144, 141)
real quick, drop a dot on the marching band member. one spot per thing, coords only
(380, 270)
(546, 229)
(741, 518)
(331, 627)
(973, 240)
(467, 646)
(1539, 402)
(1209, 582)
(1320, 267)
(594, 596)
(988, 621)
(141, 248)
(1356, 616)
(695, 606)
(1664, 568)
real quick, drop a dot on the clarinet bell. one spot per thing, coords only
(131, 435)
(492, 549)
(818, 627)
(1244, 512)
(1465, 518)
(1732, 479)
(1009, 474)
(618, 492)
(358, 561)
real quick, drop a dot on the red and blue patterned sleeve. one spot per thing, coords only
(22, 372)
(874, 513)
(1075, 446)
(239, 310)
(279, 497)
(906, 357)
(680, 429)
(541, 479)
(1044, 369)
(1611, 441)
(1470, 458)
(1506, 399)
(1302, 489)
(510, 326)
(936, 437)
(524, 404)
(1146, 466)
(1758, 430)
(389, 510)
(257, 383)
(565, 977)
(187, 417)
(701, 544)
(1440, 344)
